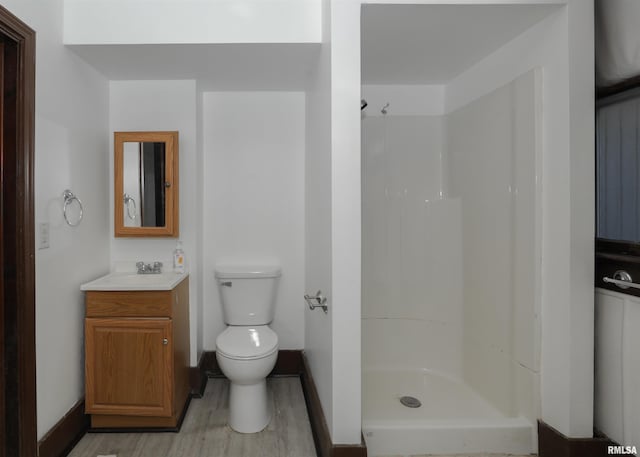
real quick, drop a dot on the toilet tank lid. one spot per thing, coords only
(245, 272)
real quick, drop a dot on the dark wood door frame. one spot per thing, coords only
(17, 241)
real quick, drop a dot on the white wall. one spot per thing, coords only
(318, 342)
(71, 151)
(199, 265)
(162, 105)
(224, 204)
(579, 246)
(254, 155)
(191, 21)
(345, 220)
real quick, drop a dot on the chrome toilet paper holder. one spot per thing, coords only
(317, 301)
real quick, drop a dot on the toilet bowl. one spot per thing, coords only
(247, 349)
(247, 366)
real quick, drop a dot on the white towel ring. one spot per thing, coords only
(129, 201)
(69, 197)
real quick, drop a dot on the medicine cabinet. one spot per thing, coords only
(146, 184)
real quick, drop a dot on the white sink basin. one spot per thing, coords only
(133, 281)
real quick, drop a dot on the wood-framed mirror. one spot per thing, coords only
(146, 184)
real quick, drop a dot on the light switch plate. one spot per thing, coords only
(43, 235)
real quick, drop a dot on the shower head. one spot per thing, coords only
(384, 108)
(363, 104)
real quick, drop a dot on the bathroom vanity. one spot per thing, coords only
(137, 350)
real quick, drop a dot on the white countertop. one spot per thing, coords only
(133, 281)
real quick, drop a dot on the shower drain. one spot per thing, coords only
(410, 402)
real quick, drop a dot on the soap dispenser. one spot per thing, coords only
(178, 258)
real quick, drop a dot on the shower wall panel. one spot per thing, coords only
(412, 301)
(491, 145)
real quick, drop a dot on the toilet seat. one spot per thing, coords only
(247, 342)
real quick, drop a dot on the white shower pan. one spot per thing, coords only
(453, 418)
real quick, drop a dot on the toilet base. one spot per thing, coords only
(249, 409)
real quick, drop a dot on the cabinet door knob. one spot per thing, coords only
(165, 341)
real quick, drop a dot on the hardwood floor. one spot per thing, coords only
(205, 432)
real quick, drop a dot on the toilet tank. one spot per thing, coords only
(248, 294)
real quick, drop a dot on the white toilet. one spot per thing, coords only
(247, 349)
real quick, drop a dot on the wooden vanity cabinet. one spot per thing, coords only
(137, 357)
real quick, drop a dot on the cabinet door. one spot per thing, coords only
(129, 367)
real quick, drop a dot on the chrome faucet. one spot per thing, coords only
(147, 268)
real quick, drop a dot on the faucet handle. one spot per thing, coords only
(157, 267)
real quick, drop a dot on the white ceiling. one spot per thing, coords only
(401, 44)
(214, 66)
(431, 44)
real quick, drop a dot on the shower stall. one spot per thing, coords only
(451, 233)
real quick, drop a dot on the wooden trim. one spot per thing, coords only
(172, 174)
(198, 378)
(350, 450)
(210, 365)
(25, 376)
(4, 353)
(552, 443)
(68, 431)
(289, 363)
(321, 435)
(319, 428)
(63, 436)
